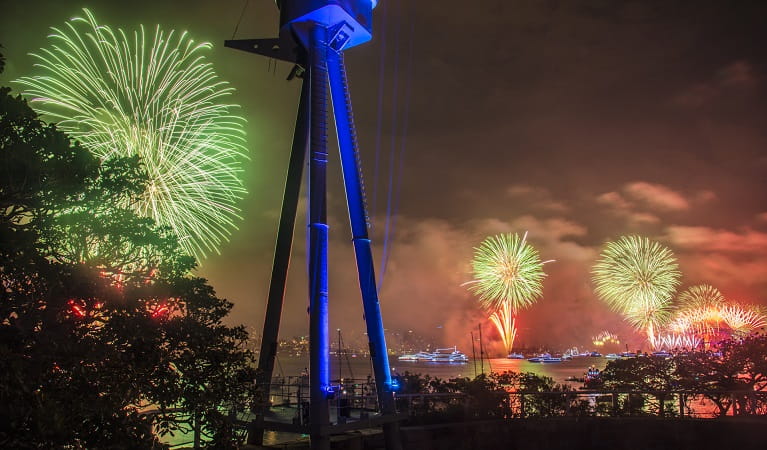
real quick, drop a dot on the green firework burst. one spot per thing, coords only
(154, 95)
(507, 270)
(637, 278)
(700, 297)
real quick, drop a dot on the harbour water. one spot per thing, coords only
(361, 367)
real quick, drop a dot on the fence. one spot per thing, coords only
(594, 403)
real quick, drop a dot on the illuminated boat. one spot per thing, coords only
(571, 353)
(545, 358)
(449, 355)
(516, 356)
(612, 356)
(440, 355)
(420, 356)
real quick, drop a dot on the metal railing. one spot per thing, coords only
(593, 403)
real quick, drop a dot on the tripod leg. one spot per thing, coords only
(280, 265)
(347, 143)
(319, 364)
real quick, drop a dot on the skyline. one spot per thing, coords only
(579, 123)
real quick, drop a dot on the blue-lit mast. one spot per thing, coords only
(323, 29)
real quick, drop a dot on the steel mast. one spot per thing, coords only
(314, 34)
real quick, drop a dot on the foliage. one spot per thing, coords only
(487, 396)
(40, 170)
(104, 335)
(738, 365)
(733, 377)
(647, 373)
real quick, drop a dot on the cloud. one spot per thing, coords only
(619, 206)
(695, 96)
(656, 196)
(739, 74)
(551, 229)
(705, 196)
(705, 239)
(614, 200)
(642, 218)
(540, 198)
(738, 279)
(736, 76)
(641, 202)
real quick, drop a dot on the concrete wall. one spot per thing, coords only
(593, 434)
(630, 433)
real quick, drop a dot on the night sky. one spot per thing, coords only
(577, 121)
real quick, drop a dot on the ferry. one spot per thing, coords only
(449, 355)
(440, 355)
(516, 356)
(544, 358)
(420, 356)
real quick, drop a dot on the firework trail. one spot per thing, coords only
(705, 313)
(699, 311)
(637, 278)
(508, 276)
(671, 341)
(155, 95)
(604, 338)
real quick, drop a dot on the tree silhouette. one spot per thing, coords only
(106, 340)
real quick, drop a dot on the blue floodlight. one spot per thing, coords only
(355, 17)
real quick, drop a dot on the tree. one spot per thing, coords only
(730, 377)
(100, 319)
(653, 374)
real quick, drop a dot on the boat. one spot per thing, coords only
(571, 353)
(595, 354)
(516, 356)
(420, 356)
(662, 354)
(440, 355)
(628, 355)
(544, 358)
(612, 356)
(449, 355)
(551, 360)
(592, 378)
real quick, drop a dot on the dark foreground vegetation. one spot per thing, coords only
(106, 339)
(730, 381)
